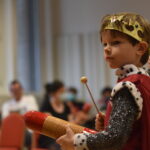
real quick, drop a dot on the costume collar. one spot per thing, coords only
(129, 69)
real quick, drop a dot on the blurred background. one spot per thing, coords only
(42, 41)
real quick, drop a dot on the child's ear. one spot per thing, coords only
(142, 48)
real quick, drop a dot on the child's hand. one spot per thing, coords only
(99, 122)
(66, 141)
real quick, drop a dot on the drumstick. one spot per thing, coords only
(101, 115)
(84, 81)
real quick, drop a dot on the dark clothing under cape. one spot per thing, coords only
(140, 136)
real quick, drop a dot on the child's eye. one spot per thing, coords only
(104, 44)
(115, 43)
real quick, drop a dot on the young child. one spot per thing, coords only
(126, 41)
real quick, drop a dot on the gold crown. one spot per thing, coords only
(128, 26)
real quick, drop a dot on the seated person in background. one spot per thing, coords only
(54, 105)
(79, 109)
(19, 103)
(105, 96)
(72, 97)
(72, 101)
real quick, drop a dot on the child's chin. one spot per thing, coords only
(112, 66)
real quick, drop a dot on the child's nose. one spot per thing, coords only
(107, 49)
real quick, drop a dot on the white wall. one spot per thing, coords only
(84, 15)
(69, 18)
(7, 44)
(76, 18)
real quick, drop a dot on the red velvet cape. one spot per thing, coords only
(140, 136)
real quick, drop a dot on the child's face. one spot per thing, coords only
(118, 51)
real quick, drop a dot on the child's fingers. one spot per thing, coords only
(101, 117)
(99, 122)
(97, 126)
(97, 116)
(101, 114)
(69, 134)
(60, 140)
(69, 131)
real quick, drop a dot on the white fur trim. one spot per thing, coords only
(80, 141)
(129, 70)
(134, 91)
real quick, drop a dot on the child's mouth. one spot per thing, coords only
(108, 58)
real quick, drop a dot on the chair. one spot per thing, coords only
(12, 133)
